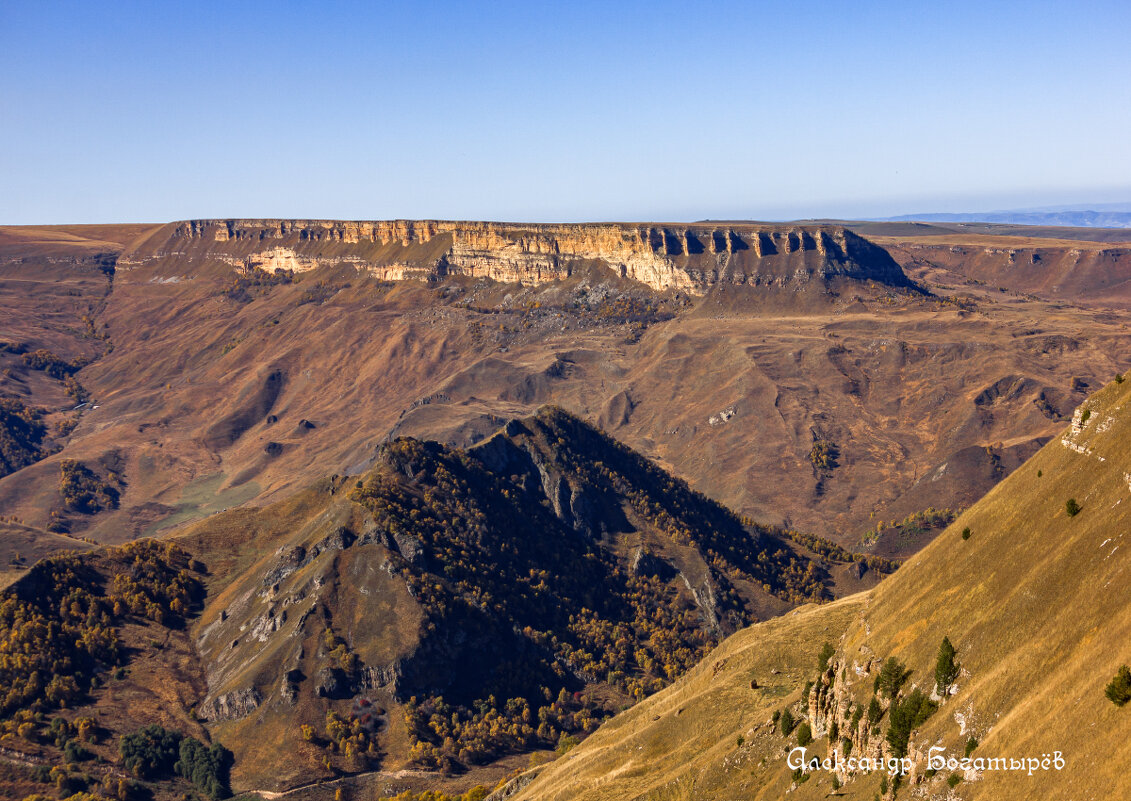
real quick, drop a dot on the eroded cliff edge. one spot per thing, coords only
(691, 258)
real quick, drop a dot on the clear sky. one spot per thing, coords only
(152, 111)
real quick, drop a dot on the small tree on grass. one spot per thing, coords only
(1071, 507)
(786, 723)
(1119, 690)
(946, 669)
(804, 734)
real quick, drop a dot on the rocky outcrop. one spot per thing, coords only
(575, 503)
(643, 563)
(229, 706)
(690, 258)
(332, 682)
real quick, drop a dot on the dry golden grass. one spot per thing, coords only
(1038, 605)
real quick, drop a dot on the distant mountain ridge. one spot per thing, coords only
(1118, 217)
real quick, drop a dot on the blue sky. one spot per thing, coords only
(154, 111)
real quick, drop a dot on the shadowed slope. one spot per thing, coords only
(590, 576)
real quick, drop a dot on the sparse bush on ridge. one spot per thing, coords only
(829, 550)
(915, 523)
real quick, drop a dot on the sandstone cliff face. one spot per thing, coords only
(691, 258)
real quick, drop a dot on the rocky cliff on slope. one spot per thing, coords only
(691, 258)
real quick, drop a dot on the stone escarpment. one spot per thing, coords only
(838, 707)
(1086, 273)
(690, 258)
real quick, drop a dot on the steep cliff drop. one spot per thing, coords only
(691, 258)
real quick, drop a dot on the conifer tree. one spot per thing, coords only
(892, 677)
(946, 669)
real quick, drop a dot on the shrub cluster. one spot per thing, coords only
(254, 281)
(85, 491)
(55, 366)
(57, 624)
(159, 753)
(22, 432)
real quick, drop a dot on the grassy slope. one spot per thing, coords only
(681, 742)
(1036, 603)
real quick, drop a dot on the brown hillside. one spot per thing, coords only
(432, 622)
(227, 384)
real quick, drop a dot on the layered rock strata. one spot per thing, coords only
(690, 258)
